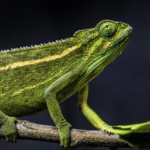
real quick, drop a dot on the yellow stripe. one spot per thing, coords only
(27, 88)
(105, 46)
(25, 63)
(30, 87)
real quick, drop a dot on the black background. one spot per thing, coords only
(121, 93)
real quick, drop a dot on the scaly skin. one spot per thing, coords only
(35, 79)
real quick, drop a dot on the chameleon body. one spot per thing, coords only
(38, 78)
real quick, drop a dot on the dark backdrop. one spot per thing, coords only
(121, 93)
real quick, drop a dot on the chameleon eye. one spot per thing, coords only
(107, 30)
(106, 26)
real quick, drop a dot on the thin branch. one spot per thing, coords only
(79, 138)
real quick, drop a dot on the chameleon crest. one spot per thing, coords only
(34, 79)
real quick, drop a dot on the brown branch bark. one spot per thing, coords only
(79, 138)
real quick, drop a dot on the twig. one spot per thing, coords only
(79, 138)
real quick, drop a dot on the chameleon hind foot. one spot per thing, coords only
(9, 129)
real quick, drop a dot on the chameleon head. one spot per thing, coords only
(108, 40)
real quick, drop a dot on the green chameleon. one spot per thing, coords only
(34, 79)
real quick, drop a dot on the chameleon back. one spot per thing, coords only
(26, 73)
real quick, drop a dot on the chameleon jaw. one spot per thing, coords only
(126, 35)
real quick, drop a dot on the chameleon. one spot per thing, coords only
(38, 78)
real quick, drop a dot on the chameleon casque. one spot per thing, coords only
(34, 79)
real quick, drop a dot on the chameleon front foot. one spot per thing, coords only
(9, 129)
(64, 132)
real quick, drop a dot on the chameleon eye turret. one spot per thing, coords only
(107, 30)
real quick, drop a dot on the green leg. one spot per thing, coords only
(53, 105)
(91, 116)
(8, 127)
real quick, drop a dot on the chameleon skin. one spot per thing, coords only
(35, 79)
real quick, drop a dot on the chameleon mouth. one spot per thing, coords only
(120, 40)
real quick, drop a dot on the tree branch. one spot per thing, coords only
(79, 138)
